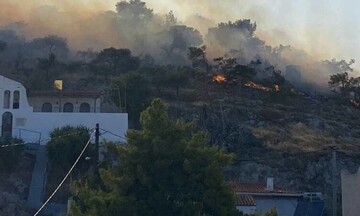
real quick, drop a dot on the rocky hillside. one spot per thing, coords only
(14, 187)
(287, 134)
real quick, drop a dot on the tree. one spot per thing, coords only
(166, 168)
(51, 45)
(46, 64)
(169, 76)
(131, 90)
(65, 146)
(197, 56)
(339, 82)
(135, 10)
(235, 73)
(170, 19)
(339, 79)
(112, 61)
(175, 43)
(10, 156)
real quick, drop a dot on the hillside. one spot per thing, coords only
(287, 134)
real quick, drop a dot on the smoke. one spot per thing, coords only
(99, 24)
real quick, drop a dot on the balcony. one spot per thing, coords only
(74, 110)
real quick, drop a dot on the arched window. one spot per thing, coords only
(85, 107)
(6, 129)
(68, 107)
(46, 107)
(16, 100)
(7, 99)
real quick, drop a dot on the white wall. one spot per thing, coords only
(37, 102)
(285, 206)
(350, 188)
(25, 121)
(247, 209)
(44, 123)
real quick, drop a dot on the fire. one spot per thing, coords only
(219, 78)
(355, 103)
(258, 86)
(276, 88)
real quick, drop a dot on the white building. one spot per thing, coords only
(46, 111)
(350, 191)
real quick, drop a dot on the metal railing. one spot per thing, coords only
(21, 133)
(75, 110)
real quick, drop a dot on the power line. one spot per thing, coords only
(62, 182)
(43, 140)
(106, 131)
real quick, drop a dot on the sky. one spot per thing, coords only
(325, 29)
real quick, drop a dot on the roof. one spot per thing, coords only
(245, 200)
(65, 93)
(260, 188)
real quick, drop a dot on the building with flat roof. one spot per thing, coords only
(32, 116)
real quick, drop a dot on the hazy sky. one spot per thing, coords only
(326, 29)
(322, 27)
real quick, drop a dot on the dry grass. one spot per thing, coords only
(296, 137)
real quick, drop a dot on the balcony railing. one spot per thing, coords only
(75, 110)
(21, 133)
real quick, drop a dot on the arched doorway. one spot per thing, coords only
(85, 107)
(46, 107)
(7, 123)
(68, 107)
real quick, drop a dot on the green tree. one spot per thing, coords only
(10, 156)
(131, 91)
(112, 61)
(65, 146)
(167, 168)
(339, 79)
(174, 77)
(197, 56)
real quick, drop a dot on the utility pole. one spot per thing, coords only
(334, 189)
(97, 136)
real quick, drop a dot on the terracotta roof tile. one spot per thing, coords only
(259, 188)
(245, 200)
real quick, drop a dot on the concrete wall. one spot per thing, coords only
(350, 187)
(284, 206)
(247, 209)
(46, 122)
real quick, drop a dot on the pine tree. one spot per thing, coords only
(167, 168)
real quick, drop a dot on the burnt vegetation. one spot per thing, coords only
(168, 59)
(248, 96)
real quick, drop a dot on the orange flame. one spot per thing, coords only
(276, 88)
(257, 86)
(219, 78)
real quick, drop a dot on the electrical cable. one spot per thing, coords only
(71, 169)
(43, 140)
(106, 131)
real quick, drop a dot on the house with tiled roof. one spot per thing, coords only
(253, 198)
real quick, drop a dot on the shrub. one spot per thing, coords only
(10, 156)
